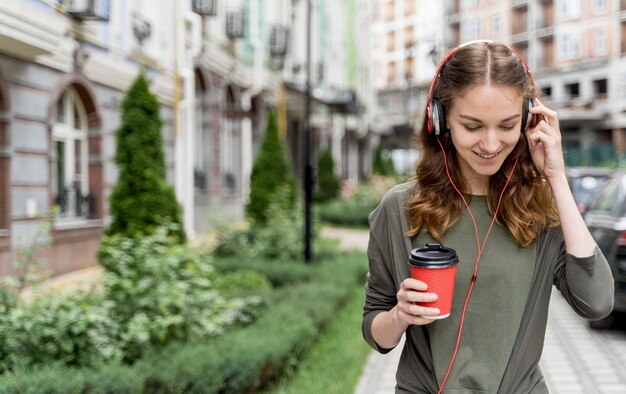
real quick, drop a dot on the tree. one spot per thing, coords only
(382, 165)
(142, 199)
(328, 183)
(271, 172)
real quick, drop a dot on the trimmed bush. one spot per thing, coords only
(271, 172)
(328, 184)
(142, 199)
(382, 163)
(248, 359)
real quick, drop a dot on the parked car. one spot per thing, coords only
(606, 219)
(585, 182)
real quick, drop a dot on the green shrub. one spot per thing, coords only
(246, 359)
(353, 210)
(113, 378)
(271, 172)
(142, 199)
(163, 292)
(75, 330)
(328, 184)
(382, 163)
(279, 237)
(241, 283)
(277, 272)
(50, 379)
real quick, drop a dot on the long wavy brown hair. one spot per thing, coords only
(527, 206)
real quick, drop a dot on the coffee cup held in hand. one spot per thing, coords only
(435, 265)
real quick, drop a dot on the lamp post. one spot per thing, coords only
(308, 169)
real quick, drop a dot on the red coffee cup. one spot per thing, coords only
(435, 265)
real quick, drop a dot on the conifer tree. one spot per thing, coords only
(328, 184)
(382, 165)
(271, 172)
(142, 198)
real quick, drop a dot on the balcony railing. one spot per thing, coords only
(72, 204)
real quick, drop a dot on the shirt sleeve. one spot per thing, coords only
(380, 289)
(585, 282)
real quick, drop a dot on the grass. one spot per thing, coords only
(335, 363)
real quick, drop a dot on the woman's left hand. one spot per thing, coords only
(544, 141)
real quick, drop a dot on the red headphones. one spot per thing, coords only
(435, 114)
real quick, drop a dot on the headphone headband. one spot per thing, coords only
(434, 112)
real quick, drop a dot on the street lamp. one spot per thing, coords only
(141, 28)
(204, 7)
(234, 24)
(81, 10)
(308, 168)
(279, 39)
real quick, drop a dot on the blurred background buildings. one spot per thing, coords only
(217, 66)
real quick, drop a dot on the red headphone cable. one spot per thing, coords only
(480, 251)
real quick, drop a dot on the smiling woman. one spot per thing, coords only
(490, 184)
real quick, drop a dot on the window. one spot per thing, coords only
(471, 29)
(469, 3)
(202, 136)
(572, 89)
(599, 41)
(5, 182)
(600, 88)
(569, 46)
(230, 144)
(70, 171)
(496, 24)
(546, 91)
(570, 9)
(599, 6)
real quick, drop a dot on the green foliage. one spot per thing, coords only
(242, 282)
(271, 172)
(280, 237)
(355, 209)
(382, 162)
(30, 270)
(163, 292)
(142, 199)
(154, 292)
(328, 184)
(246, 359)
(75, 330)
(339, 356)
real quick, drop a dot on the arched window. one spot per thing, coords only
(230, 143)
(203, 136)
(70, 171)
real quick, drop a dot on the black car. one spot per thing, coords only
(606, 219)
(585, 182)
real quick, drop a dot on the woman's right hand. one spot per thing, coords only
(407, 311)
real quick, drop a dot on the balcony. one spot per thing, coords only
(73, 204)
(24, 37)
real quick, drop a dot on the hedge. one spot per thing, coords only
(247, 359)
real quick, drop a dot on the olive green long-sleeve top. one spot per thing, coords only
(505, 322)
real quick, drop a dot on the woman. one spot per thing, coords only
(490, 151)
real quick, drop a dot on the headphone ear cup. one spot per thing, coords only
(528, 119)
(438, 118)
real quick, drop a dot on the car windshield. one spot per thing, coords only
(584, 187)
(609, 198)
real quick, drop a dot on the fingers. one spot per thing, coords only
(410, 296)
(546, 114)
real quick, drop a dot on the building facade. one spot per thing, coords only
(216, 68)
(575, 49)
(409, 40)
